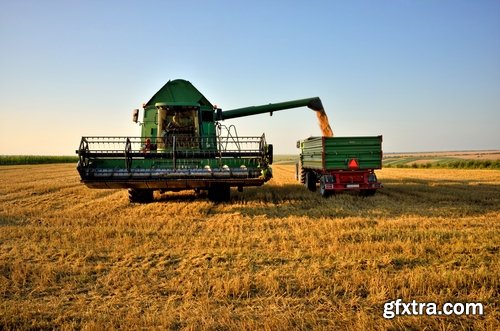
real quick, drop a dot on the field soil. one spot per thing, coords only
(276, 257)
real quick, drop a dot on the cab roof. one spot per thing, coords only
(179, 92)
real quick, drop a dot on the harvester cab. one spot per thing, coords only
(183, 145)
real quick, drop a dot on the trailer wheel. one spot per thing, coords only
(368, 193)
(301, 173)
(310, 181)
(140, 195)
(219, 193)
(322, 189)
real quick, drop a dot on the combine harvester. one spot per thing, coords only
(182, 146)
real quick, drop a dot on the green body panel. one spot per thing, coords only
(334, 153)
(179, 91)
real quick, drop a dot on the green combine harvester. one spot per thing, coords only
(183, 145)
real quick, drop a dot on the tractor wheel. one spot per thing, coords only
(219, 193)
(310, 181)
(140, 195)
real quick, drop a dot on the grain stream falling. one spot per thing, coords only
(324, 124)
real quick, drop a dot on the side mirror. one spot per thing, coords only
(135, 115)
(270, 153)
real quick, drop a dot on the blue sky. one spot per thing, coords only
(424, 74)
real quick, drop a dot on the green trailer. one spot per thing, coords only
(340, 164)
(183, 145)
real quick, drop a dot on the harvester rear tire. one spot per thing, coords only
(310, 181)
(140, 195)
(219, 193)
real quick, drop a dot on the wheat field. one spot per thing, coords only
(275, 258)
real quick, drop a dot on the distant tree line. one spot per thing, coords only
(456, 164)
(35, 159)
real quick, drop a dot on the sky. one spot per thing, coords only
(424, 74)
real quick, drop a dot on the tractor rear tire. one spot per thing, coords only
(310, 181)
(140, 195)
(219, 193)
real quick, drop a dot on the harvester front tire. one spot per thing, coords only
(219, 193)
(140, 195)
(311, 181)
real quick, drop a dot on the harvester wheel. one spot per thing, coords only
(310, 181)
(219, 193)
(140, 195)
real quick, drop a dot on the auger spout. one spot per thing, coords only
(312, 103)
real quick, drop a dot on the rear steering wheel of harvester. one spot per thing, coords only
(128, 157)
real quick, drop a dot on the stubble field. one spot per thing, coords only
(275, 258)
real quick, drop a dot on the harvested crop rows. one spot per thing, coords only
(276, 257)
